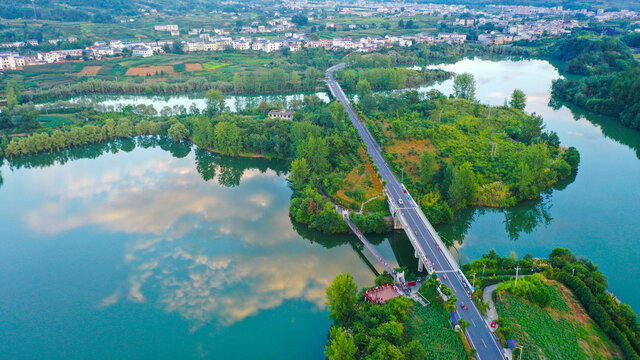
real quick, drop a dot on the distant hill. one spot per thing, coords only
(94, 10)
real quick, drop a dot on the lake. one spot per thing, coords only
(162, 252)
(154, 251)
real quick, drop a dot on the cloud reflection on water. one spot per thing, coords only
(208, 253)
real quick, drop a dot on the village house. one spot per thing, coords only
(166, 27)
(142, 51)
(281, 114)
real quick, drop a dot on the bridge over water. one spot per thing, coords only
(429, 248)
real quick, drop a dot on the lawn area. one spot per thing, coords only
(213, 65)
(55, 120)
(560, 331)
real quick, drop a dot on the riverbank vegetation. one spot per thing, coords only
(328, 164)
(561, 310)
(612, 83)
(454, 153)
(398, 329)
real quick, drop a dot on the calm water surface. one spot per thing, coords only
(163, 254)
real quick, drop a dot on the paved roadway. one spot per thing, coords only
(478, 332)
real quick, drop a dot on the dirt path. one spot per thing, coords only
(487, 296)
(362, 206)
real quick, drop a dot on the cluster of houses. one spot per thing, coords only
(273, 25)
(291, 42)
(528, 31)
(34, 42)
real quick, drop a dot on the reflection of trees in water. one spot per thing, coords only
(521, 218)
(177, 149)
(91, 151)
(610, 127)
(458, 229)
(229, 169)
(526, 217)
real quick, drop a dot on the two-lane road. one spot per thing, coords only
(478, 332)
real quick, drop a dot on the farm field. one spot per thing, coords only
(550, 333)
(213, 66)
(440, 341)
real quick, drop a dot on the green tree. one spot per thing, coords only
(414, 351)
(464, 87)
(178, 132)
(215, 102)
(342, 299)
(227, 138)
(177, 47)
(13, 94)
(518, 99)
(350, 78)
(530, 128)
(363, 88)
(386, 351)
(124, 128)
(427, 166)
(203, 132)
(299, 173)
(316, 151)
(29, 120)
(464, 187)
(341, 345)
(464, 324)
(311, 76)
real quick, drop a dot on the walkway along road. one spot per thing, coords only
(428, 242)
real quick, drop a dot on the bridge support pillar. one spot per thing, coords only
(420, 266)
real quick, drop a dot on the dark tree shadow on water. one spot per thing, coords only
(229, 169)
(208, 164)
(527, 216)
(523, 218)
(610, 127)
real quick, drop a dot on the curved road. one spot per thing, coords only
(478, 332)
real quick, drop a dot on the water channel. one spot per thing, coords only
(153, 250)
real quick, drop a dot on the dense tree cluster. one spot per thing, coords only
(617, 320)
(399, 329)
(380, 78)
(592, 56)
(79, 136)
(474, 154)
(615, 95)
(612, 87)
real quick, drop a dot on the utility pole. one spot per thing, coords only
(402, 178)
(521, 350)
(573, 272)
(517, 269)
(474, 280)
(483, 266)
